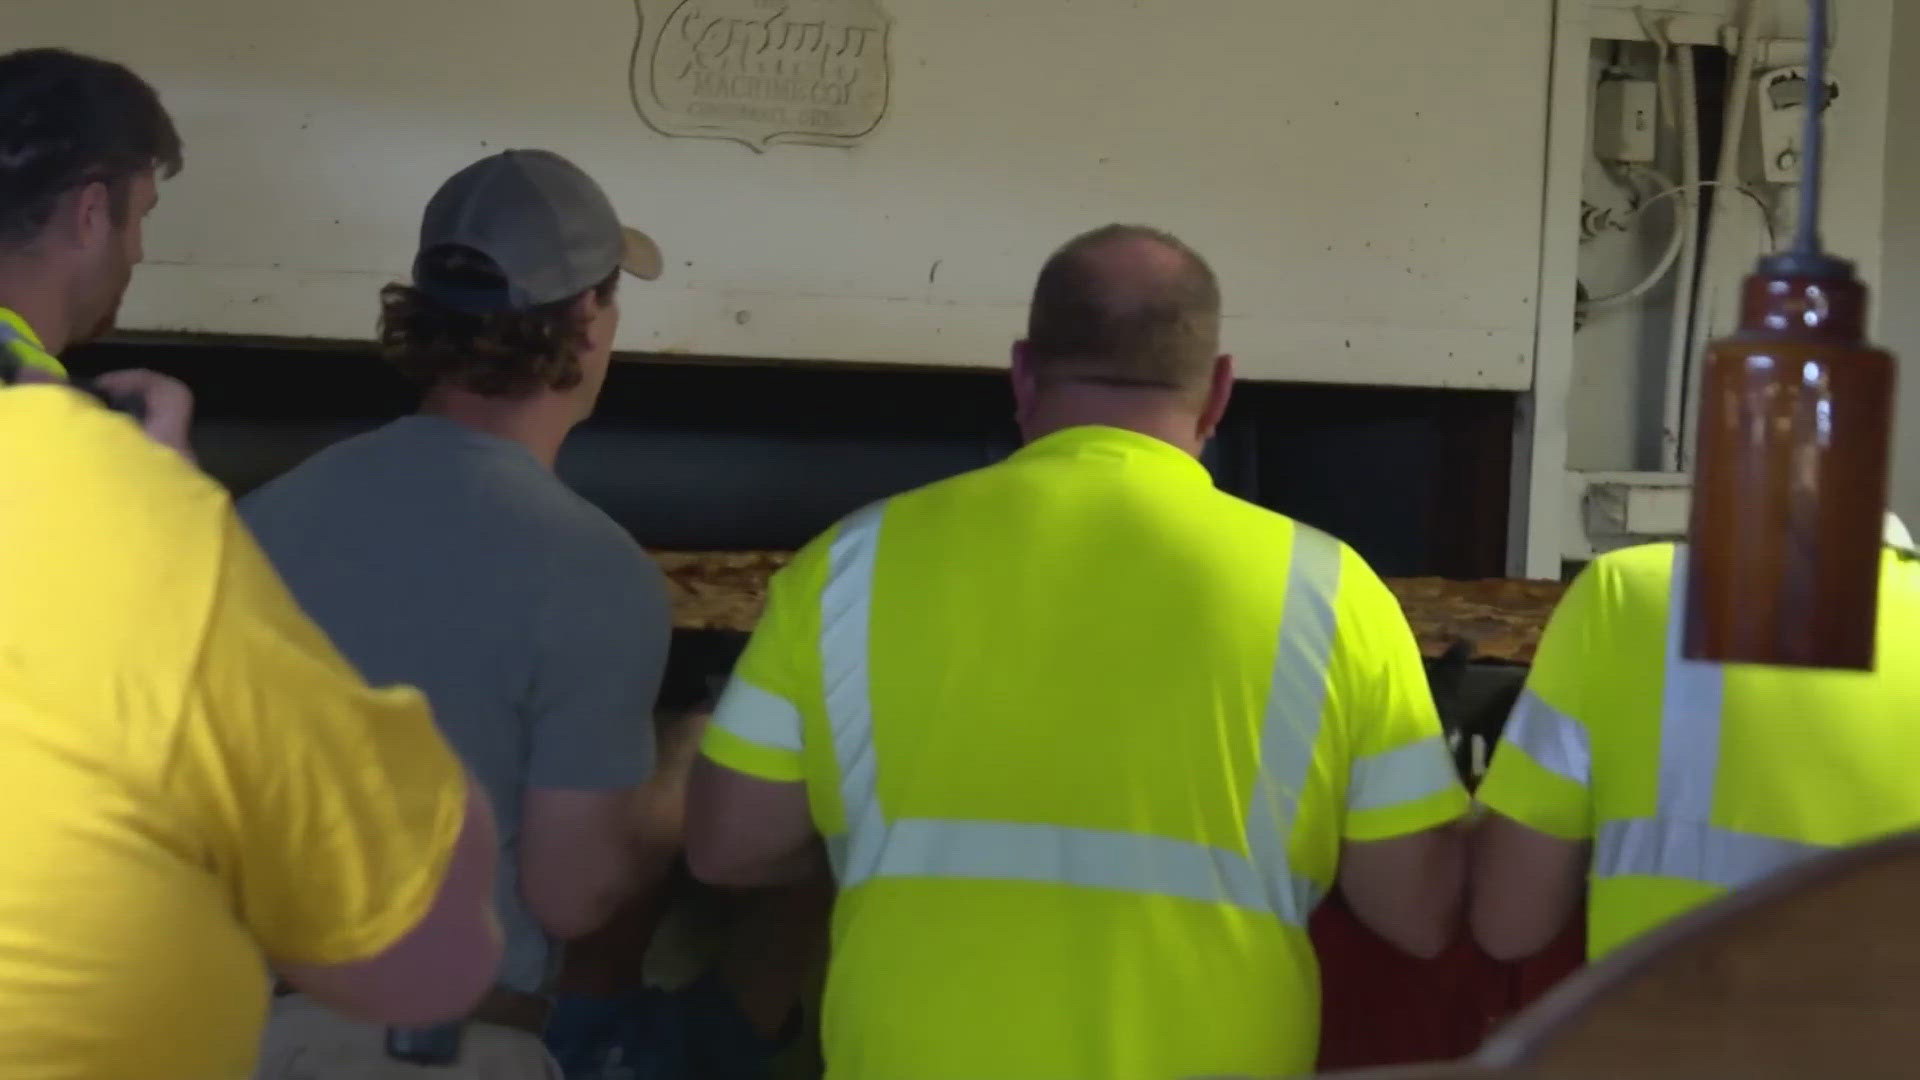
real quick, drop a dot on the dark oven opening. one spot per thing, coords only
(714, 455)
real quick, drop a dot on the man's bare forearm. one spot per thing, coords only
(657, 830)
(799, 867)
(659, 824)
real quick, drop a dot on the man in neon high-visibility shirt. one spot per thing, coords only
(1665, 783)
(1087, 739)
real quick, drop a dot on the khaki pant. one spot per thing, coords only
(306, 1042)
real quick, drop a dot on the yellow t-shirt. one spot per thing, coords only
(1087, 644)
(192, 780)
(1795, 759)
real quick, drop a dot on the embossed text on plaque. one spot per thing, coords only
(763, 71)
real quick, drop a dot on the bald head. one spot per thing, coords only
(1126, 305)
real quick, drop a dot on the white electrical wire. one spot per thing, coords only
(1759, 201)
(1682, 224)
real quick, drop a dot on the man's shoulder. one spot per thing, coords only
(572, 521)
(1258, 536)
(117, 545)
(1639, 561)
(336, 466)
(1626, 582)
(81, 459)
(460, 480)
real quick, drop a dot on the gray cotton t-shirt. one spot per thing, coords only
(443, 558)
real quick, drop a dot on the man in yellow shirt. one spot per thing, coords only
(196, 786)
(1086, 738)
(1662, 783)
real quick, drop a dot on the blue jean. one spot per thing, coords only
(694, 1033)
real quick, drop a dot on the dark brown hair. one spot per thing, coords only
(508, 354)
(1090, 323)
(67, 121)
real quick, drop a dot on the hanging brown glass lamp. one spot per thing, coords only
(1795, 436)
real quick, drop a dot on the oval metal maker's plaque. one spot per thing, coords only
(762, 72)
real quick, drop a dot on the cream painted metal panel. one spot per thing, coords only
(1899, 315)
(1367, 175)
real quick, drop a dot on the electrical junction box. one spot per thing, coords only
(1626, 125)
(1780, 97)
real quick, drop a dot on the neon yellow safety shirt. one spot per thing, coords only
(193, 781)
(1693, 779)
(1084, 735)
(19, 339)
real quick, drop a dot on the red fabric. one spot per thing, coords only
(1382, 1007)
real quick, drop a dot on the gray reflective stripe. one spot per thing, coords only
(1689, 716)
(1404, 775)
(1555, 741)
(1691, 851)
(845, 606)
(1295, 701)
(873, 848)
(1128, 862)
(1680, 841)
(761, 718)
(1897, 535)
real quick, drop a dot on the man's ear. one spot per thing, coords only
(89, 215)
(1219, 393)
(1025, 386)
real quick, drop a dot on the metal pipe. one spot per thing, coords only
(1806, 237)
(1713, 255)
(1673, 421)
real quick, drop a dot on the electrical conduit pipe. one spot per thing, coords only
(1712, 294)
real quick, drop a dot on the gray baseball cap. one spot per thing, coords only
(545, 224)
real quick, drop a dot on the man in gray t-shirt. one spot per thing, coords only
(441, 551)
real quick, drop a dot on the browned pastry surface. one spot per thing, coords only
(719, 590)
(1498, 620)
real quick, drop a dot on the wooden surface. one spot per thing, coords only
(1497, 620)
(1815, 972)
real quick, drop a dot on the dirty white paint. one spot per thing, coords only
(1534, 521)
(1366, 175)
(1899, 315)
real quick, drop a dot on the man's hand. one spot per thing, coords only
(680, 746)
(168, 402)
(660, 811)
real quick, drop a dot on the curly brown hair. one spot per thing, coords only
(507, 354)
